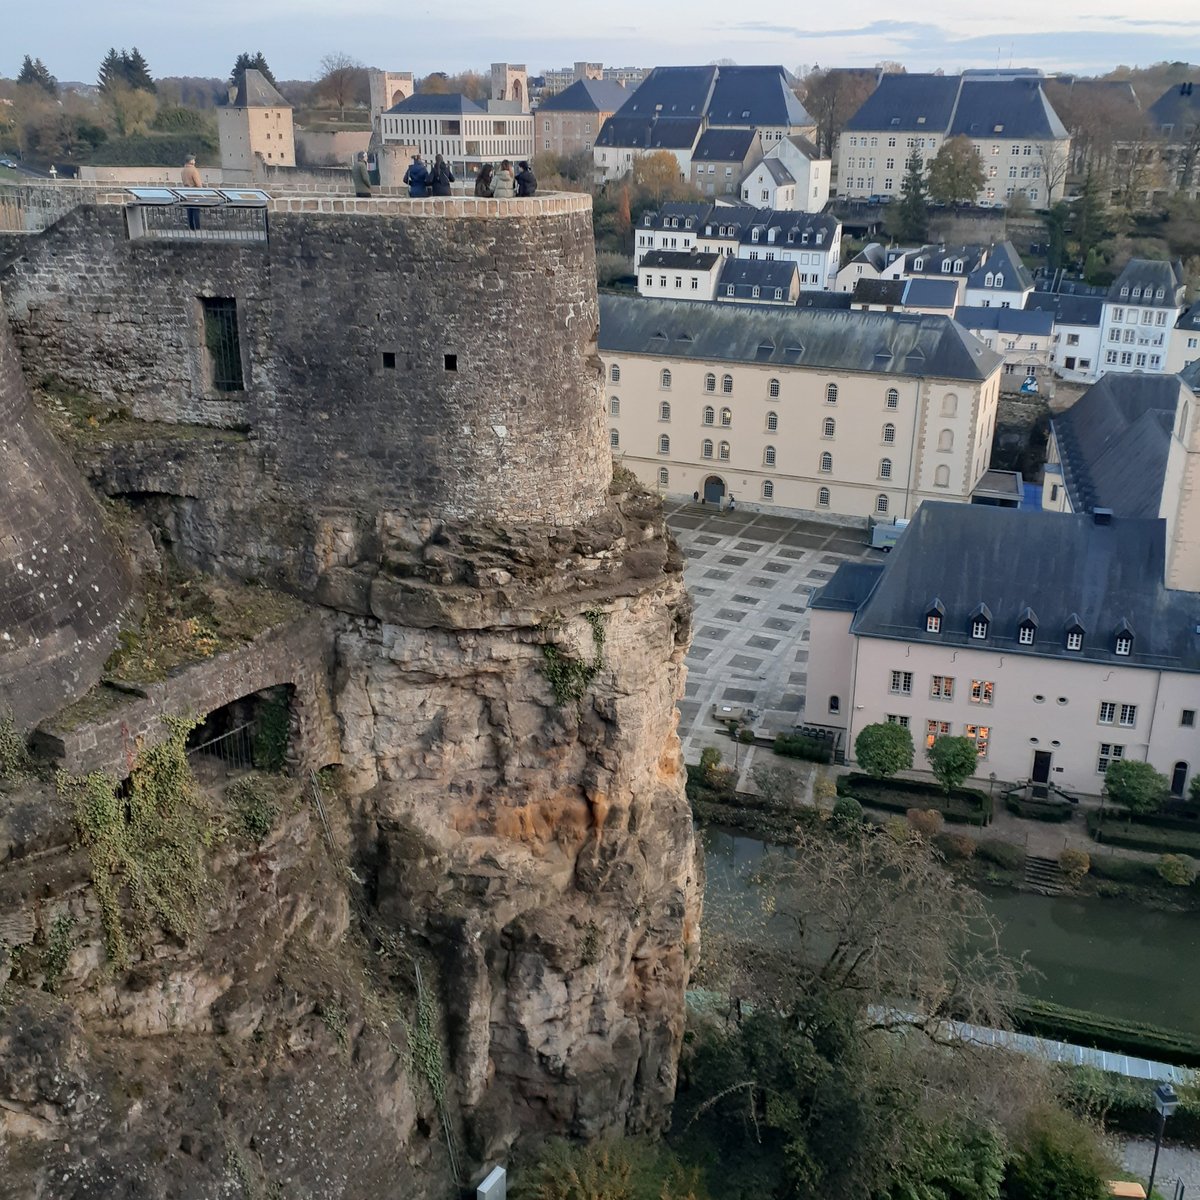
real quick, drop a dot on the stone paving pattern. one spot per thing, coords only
(751, 576)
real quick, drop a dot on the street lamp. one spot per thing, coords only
(1166, 1101)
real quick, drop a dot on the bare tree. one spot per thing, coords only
(832, 98)
(342, 81)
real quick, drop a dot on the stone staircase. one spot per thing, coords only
(1044, 875)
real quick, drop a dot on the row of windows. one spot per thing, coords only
(1127, 359)
(981, 623)
(981, 735)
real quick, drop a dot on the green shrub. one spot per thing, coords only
(1074, 864)
(964, 805)
(795, 745)
(884, 749)
(1136, 786)
(1176, 869)
(1122, 870)
(256, 811)
(1003, 854)
(612, 1169)
(1057, 1156)
(846, 808)
(1137, 835)
(1039, 810)
(952, 761)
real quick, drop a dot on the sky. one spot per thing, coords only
(204, 38)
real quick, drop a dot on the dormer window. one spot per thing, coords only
(999, 280)
(754, 235)
(981, 620)
(933, 616)
(1124, 291)
(1159, 294)
(688, 223)
(1026, 634)
(1123, 639)
(1075, 632)
(1137, 293)
(919, 265)
(946, 266)
(1124, 643)
(988, 279)
(958, 266)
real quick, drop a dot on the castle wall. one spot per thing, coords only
(487, 404)
(63, 586)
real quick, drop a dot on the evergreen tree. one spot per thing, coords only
(912, 211)
(1089, 221)
(254, 62)
(34, 71)
(260, 65)
(112, 70)
(137, 72)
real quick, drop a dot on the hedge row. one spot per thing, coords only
(1124, 1104)
(1119, 832)
(1039, 810)
(966, 806)
(1106, 1033)
(796, 745)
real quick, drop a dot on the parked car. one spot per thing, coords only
(8, 162)
(732, 714)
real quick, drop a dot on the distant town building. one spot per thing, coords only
(792, 175)
(1002, 280)
(721, 159)
(795, 408)
(569, 122)
(1024, 337)
(388, 88)
(1184, 344)
(1022, 145)
(255, 127)
(1175, 118)
(1075, 352)
(1140, 312)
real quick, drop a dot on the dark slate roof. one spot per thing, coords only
(778, 171)
(690, 260)
(820, 229)
(883, 343)
(908, 103)
(872, 253)
(1061, 566)
(671, 92)
(745, 273)
(1002, 257)
(879, 291)
(953, 105)
(724, 145)
(587, 95)
(1005, 108)
(807, 148)
(663, 133)
(850, 586)
(1113, 443)
(1150, 276)
(1068, 309)
(257, 91)
(1178, 107)
(436, 104)
(930, 293)
(1006, 320)
(1191, 376)
(755, 96)
(831, 300)
(678, 210)
(1189, 318)
(931, 258)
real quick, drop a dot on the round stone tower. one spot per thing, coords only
(63, 585)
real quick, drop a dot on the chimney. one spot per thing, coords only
(1102, 516)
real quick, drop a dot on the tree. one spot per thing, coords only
(883, 749)
(137, 72)
(1058, 1157)
(612, 1169)
(1135, 786)
(35, 72)
(112, 70)
(657, 179)
(956, 174)
(832, 98)
(342, 81)
(912, 210)
(133, 109)
(952, 761)
(250, 62)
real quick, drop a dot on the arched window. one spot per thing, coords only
(826, 461)
(885, 468)
(768, 490)
(828, 426)
(946, 441)
(999, 279)
(769, 456)
(614, 373)
(773, 388)
(710, 382)
(831, 393)
(614, 406)
(614, 439)
(664, 477)
(889, 434)
(835, 704)
(941, 477)
(881, 503)
(772, 422)
(893, 398)
(950, 405)
(664, 444)
(822, 497)
(664, 379)
(723, 451)
(727, 384)
(664, 411)
(706, 448)
(710, 415)
(726, 417)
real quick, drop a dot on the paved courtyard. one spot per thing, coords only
(751, 576)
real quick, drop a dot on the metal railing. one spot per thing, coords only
(233, 750)
(177, 222)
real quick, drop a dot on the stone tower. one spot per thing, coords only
(388, 88)
(510, 83)
(63, 587)
(1181, 495)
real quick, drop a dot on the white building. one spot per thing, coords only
(1024, 337)
(792, 175)
(1075, 349)
(1002, 280)
(1140, 312)
(797, 409)
(679, 274)
(868, 264)
(1184, 344)
(674, 227)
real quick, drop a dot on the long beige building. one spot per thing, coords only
(803, 410)
(1051, 641)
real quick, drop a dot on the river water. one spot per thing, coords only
(1104, 956)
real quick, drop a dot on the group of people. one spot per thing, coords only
(502, 183)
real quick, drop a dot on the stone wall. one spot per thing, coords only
(63, 585)
(299, 654)
(486, 406)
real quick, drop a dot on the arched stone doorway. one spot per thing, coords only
(714, 489)
(1179, 778)
(516, 90)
